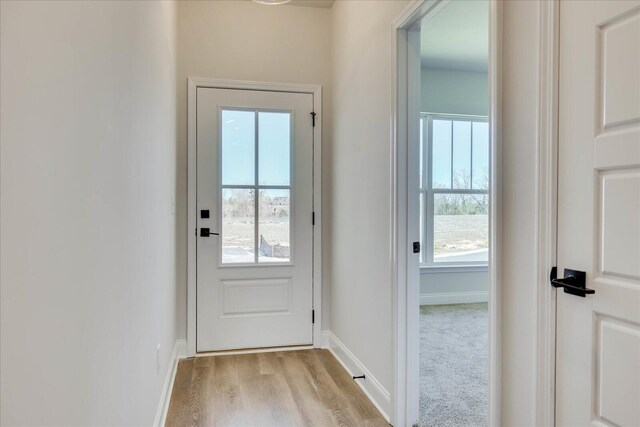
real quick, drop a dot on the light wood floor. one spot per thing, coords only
(289, 388)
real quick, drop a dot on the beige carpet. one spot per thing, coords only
(453, 365)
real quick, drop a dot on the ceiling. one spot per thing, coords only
(325, 4)
(457, 37)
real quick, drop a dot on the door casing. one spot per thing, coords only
(546, 210)
(405, 288)
(193, 84)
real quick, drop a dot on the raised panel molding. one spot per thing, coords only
(620, 222)
(618, 372)
(619, 57)
(256, 297)
(617, 141)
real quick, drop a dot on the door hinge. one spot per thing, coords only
(313, 316)
(313, 218)
(195, 232)
(313, 119)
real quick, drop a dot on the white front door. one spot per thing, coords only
(598, 335)
(255, 189)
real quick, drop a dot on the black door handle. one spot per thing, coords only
(574, 282)
(205, 232)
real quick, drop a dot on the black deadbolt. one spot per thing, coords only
(416, 247)
(204, 213)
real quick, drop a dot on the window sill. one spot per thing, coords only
(434, 269)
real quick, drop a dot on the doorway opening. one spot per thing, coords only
(447, 189)
(454, 215)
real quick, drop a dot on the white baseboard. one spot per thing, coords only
(454, 298)
(179, 352)
(371, 387)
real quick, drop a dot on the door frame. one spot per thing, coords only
(316, 90)
(546, 209)
(405, 291)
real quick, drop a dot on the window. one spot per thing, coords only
(256, 186)
(454, 184)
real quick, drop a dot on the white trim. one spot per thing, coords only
(325, 338)
(371, 387)
(253, 350)
(179, 352)
(495, 215)
(406, 346)
(443, 298)
(454, 298)
(546, 211)
(437, 269)
(405, 321)
(316, 91)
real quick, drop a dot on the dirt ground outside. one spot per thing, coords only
(453, 233)
(460, 233)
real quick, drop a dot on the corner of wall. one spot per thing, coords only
(372, 388)
(179, 352)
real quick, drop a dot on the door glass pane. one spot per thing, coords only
(461, 154)
(480, 155)
(461, 228)
(238, 232)
(274, 226)
(238, 147)
(441, 162)
(274, 142)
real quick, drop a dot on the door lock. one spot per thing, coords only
(205, 232)
(574, 282)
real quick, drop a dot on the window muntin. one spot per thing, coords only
(454, 194)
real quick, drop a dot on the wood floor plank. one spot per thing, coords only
(349, 388)
(289, 388)
(329, 394)
(180, 397)
(304, 394)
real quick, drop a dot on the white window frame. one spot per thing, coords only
(428, 193)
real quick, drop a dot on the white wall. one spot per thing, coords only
(241, 40)
(454, 92)
(359, 165)
(87, 176)
(87, 271)
(453, 287)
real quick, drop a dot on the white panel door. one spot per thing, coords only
(255, 190)
(598, 336)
